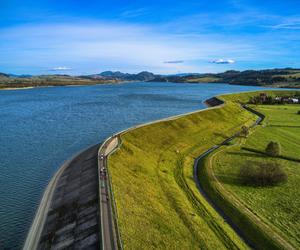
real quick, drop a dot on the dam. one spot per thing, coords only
(72, 218)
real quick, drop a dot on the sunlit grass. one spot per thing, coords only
(278, 206)
(157, 200)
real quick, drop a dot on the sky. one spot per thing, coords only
(165, 37)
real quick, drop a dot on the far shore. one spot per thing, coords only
(122, 82)
(17, 88)
(67, 85)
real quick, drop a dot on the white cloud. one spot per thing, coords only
(292, 24)
(174, 62)
(90, 47)
(134, 12)
(61, 68)
(223, 61)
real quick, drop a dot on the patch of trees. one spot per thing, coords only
(263, 98)
(244, 131)
(262, 174)
(273, 149)
(257, 77)
(248, 77)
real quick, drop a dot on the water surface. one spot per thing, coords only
(40, 128)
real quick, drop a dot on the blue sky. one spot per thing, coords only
(83, 37)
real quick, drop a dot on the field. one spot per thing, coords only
(158, 203)
(157, 200)
(46, 80)
(204, 79)
(269, 215)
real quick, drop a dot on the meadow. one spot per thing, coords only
(268, 215)
(158, 203)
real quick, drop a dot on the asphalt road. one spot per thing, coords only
(108, 221)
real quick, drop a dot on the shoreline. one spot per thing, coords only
(18, 88)
(66, 85)
(35, 230)
(38, 220)
(124, 82)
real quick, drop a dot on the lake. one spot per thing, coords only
(42, 127)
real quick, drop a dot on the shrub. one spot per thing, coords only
(273, 149)
(245, 131)
(262, 174)
(298, 112)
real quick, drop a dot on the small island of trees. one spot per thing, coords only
(263, 98)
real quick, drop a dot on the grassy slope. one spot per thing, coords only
(277, 207)
(51, 80)
(203, 79)
(157, 200)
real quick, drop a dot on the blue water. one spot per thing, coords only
(40, 128)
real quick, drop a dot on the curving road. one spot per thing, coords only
(80, 192)
(110, 239)
(205, 195)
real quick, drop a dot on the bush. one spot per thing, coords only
(262, 174)
(245, 131)
(298, 112)
(273, 149)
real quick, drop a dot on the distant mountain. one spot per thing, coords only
(184, 74)
(117, 75)
(3, 75)
(145, 76)
(286, 77)
(20, 76)
(270, 77)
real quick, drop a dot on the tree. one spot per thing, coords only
(245, 131)
(262, 174)
(273, 149)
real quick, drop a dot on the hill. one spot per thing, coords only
(154, 188)
(21, 81)
(287, 78)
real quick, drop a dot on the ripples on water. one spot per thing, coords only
(40, 128)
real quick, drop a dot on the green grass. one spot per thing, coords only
(293, 74)
(205, 79)
(267, 214)
(158, 203)
(157, 200)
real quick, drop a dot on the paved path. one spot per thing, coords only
(206, 196)
(108, 221)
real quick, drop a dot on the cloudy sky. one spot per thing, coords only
(82, 37)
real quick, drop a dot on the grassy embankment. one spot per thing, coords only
(47, 80)
(157, 200)
(268, 215)
(206, 79)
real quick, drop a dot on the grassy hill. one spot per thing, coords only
(15, 81)
(288, 78)
(271, 210)
(157, 200)
(158, 203)
(7, 81)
